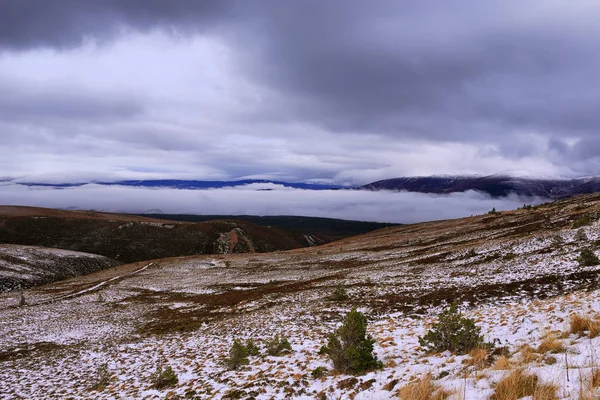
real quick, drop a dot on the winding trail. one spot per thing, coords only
(95, 287)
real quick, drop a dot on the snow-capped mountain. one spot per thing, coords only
(494, 185)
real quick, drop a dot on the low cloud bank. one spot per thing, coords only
(400, 207)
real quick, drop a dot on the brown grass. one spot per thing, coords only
(551, 344)
(423, 389)
(519, 384)
(515, 385)
(595, 378)
(545, 391)
(589, 384)
(478, 358)
(502, 363)
(579, 325)
(528, 354)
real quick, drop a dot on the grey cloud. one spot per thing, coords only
(444, 85)
(483, 74)
(559, 146)
(586, 149)
(27, 103)
(69, 23)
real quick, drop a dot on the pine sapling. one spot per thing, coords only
(350, 348)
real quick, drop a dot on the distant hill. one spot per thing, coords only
(187, 184)
(494, 185)
(130, 238)
(498, 185)
(323, 230)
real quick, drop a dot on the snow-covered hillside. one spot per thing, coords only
(26, 266)
(518, 274)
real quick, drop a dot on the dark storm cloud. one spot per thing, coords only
(441, 70)
(68, 23)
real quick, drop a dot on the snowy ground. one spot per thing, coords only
(516, 274)
(26, 266)
(197, 358)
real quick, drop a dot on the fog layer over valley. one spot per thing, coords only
(265, 199)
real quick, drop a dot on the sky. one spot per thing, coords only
(341, 92)
(345, 92)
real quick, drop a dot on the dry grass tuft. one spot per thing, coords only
(528, 354)
(595, 378)
(579, 325)
(515, 385)
(478, 358)
(502, 363)
(545, 391)
(588, 385)
(423, 389)
(551, 344)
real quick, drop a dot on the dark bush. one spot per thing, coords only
(582, 221)
(164, 378)
(581, 236)
(587, 258)
(102, 378)
(339, 294)
(318, 372)
(471, 253)
(349, 347)
(252, 348)
(509, 256)
(238, 355)
(453, 332)
(278, 346)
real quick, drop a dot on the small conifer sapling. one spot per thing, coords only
(350, 348)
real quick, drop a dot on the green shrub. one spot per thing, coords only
(349, 347)
(493, 211)
(164, 378)
(557, 240)
(582, 221)
(252, 348)
(489, 258)
(339, 294)
(278, 346)
(587, 258)
(471, 253)
(238, 355)
(318, 372)
(102, 378)
(453, 332)
(581, 236)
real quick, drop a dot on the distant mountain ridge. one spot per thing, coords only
(185, 184)
(498, 185)
(493, 185)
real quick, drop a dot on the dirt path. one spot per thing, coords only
(96, 287)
